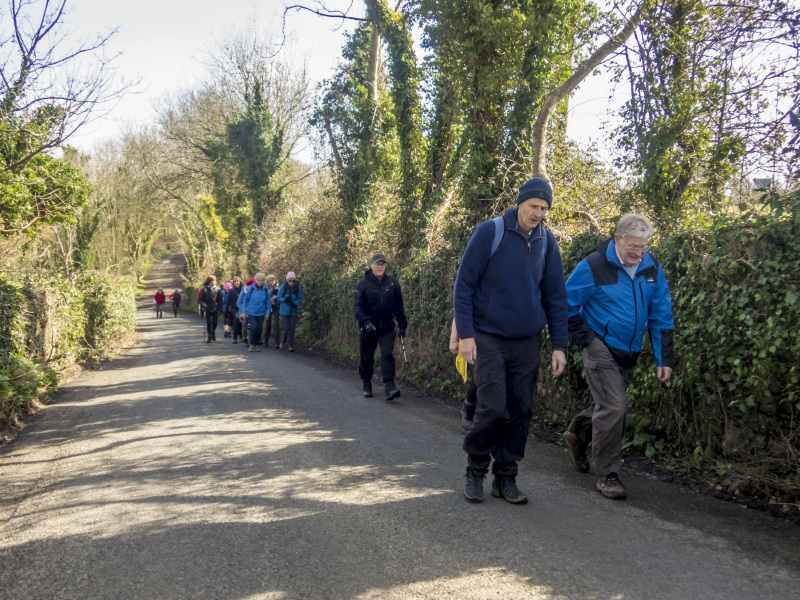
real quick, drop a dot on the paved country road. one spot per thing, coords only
(191, 470)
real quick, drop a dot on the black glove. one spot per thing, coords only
(402, 332)
(369, 328)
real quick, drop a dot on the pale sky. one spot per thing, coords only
(163, 44)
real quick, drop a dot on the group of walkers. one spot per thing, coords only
(161, 299)
(510, 284)
(251, 310)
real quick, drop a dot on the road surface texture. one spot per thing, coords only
(192, 470)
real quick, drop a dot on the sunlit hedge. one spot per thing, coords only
(48, 324)
(110, 311)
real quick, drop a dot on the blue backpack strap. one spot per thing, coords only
(544, 245)
(499, 231)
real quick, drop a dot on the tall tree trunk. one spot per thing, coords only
(557, 95)
(372, 86)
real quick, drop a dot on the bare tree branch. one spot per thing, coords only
(557, 95)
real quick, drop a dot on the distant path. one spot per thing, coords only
(191, 470)
(164, 274)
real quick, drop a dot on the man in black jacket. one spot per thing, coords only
(377, 302)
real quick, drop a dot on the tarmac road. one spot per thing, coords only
(191, 470)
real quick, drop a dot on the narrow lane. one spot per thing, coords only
(191, 470)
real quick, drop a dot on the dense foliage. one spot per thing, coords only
(48, 324)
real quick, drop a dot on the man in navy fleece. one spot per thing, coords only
(510, 284)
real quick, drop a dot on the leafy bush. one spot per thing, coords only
(20, 383)
(55, 321)
(110, 311)
(11, 337)
(47, 324)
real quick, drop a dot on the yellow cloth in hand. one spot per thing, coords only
(461, 363)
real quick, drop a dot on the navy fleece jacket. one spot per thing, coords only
(516, 293)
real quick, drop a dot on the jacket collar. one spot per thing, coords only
(512, 222)
(370, 275)
(608, 249)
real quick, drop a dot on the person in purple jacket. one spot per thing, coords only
(510, 284)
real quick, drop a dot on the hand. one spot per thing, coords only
(559, 362)
(243, 316)
(468, 350)
(663, 373)
(454, 347)
(369, 328)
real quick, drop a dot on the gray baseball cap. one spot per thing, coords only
(376, 258)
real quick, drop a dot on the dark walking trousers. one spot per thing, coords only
(272, 323)
(368, 344)
(211, 323)
(236, 326)
(289, 322)
(255, 328)
(506, 371)
(603, 423)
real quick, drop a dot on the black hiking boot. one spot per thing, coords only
(391, 391)
(467, 414)
(367, 389)
(473, 488)
(506, 488)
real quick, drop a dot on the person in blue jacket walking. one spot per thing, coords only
(255, 306)
(615, 294)
(510, 284)
(289, 296)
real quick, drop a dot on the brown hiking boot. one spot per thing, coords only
(611, 487)
(577, 450)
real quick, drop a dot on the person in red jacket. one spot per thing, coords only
(160, 298)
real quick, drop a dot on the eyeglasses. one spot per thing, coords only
(641, 249)
(291, 280)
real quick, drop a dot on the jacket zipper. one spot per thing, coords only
(528, 241)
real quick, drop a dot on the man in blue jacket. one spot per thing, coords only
(615, 294)
(510, 284)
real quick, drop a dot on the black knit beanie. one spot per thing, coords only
(536, 188)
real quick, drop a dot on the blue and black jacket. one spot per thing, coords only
(514, 292)
(256, 302)
(604, 301)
